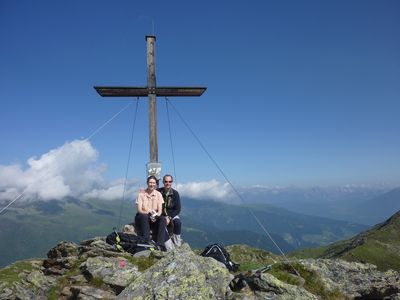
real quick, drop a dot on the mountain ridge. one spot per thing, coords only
(379, 245)
(359, 204)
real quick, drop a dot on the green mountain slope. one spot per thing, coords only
(30, 229)
(379, 245)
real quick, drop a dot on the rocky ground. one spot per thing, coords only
(95, 270)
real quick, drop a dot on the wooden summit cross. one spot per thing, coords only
(151, 91)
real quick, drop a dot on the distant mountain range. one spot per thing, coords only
(234, 223)
(28, 230)
(360, 204)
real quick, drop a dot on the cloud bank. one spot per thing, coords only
(74, 170)
(206, 190)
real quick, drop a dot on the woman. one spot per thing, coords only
(149, 208)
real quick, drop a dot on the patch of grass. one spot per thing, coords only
(375, 253)
(250, 266)
(250, 258)
(143, 263)
(379, 245)
(308, 253)
(53, 294)
(242, 254)
(312, 283)
(284, 272)
(54, 291)
(75, 223)
(96, 282)
(10, 274)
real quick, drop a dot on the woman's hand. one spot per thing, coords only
(153, 216)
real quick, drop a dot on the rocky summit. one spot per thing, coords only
(95, 270)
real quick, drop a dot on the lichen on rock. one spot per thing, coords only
(355, 280)
(181, 275)
(95, 270)
(115, 271)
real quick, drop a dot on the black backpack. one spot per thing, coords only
(128, 242)
(220, 254)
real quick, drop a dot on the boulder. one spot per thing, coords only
(181, 274)
(21, 292)
(97, 247)
(60, 258)
(265, 286)
(63, 249)
(114, 271)
(356, 280)
(31, 282)
(85, 292)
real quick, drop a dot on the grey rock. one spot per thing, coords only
(66, 293)
(181, 274)
(24, 293)
(31, 284)
(283, 290)
(78, 279)
(266, 286)
(114, 271)
(98, 243)
(145, 253)
(97, 247)
(63, 249)
(39, 280)
(60, 258)
(356, 280)
(6, 293)
(58, 266)
(89, 293)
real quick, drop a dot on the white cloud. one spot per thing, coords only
(69, 170)
(207, 190)
(74, 170)
(114, 190)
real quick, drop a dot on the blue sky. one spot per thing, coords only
(299, 92)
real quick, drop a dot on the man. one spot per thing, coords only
(172, 208)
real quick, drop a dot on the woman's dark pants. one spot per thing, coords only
(159, 226)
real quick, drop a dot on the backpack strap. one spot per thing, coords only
(118, 242)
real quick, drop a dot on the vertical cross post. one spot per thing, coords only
(151, 84)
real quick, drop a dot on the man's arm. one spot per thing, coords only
(177, 205)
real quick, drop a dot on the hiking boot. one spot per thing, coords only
(176, 238)
(169, 245)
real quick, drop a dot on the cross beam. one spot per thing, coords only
(151, 91)
(125, 91)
